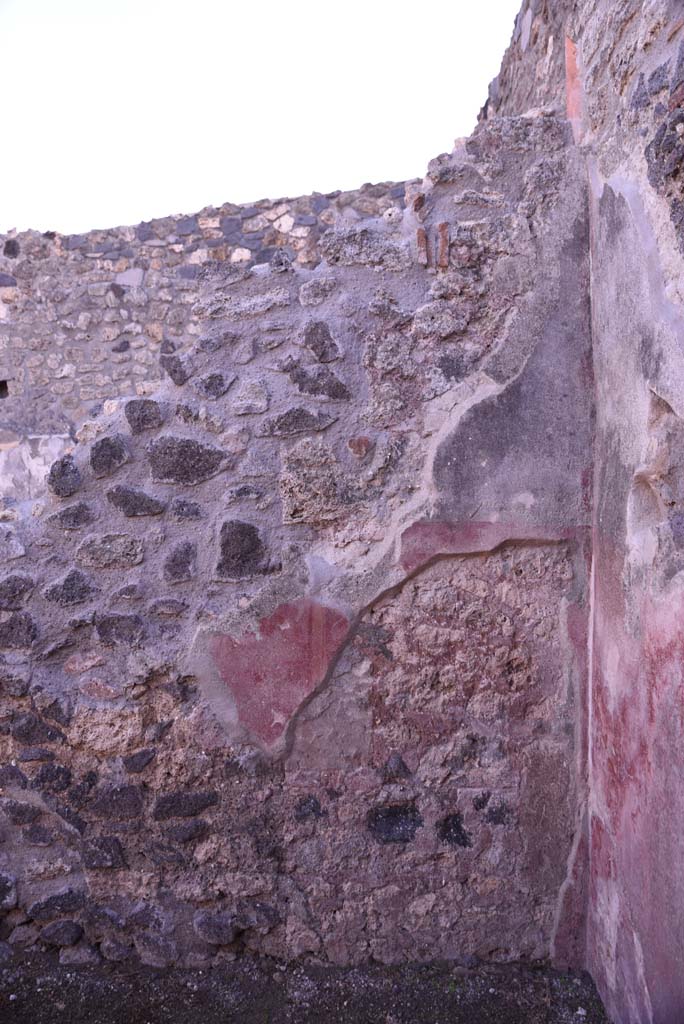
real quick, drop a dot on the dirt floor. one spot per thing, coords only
(37, 990)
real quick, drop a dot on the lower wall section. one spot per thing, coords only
(426, 807)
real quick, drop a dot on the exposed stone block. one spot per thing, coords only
(108, 454)
(242, 551)
(64, 478)
(143, 414)
(133, 502)
(184, 461)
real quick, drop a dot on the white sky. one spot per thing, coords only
(116, 111)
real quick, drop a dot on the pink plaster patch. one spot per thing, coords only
(271, 672)
(427, 539)
(573, 88)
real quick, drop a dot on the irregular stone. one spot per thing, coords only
(143, 414)
(61, 933)
(7, 281)
(214, 385)
(73, 516)
(11, 776)
(135, 763)
(28, 728)
(318, 339)
(8, 892)
(319, 381)
(13, 591)
(188, 831)
(52, 778)
(119, 629)
(38, 835)
(183, 461)
(19, 812)
(18, 631)
(308, 807)
(450, 830)
(181, 564)
(75, 588)
(177, 368)
(104, 853)
(120, 803)
(108, 454)
(316, 291)
(11, 248)
(242, 551)
(167, 608)
(296, 421)
(64, 478)
(218, 928)
(184, 804)
(251, 399)
(394, 823)
(110, 551)
(133, 502)
(364, 247)
(70, 901)
(183, 509)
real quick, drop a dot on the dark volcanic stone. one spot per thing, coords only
(450, 830)
(394, 769)
(62, 933)
(214, 385)
(176, 368)
(498, 815)
(319, 381)
(143, 414)
(119, 629)
(73, 516)
(10, 775)
(108, 454)
(104, 853)
(307, 807)
(19, 812)
(68, 902)
(394, 823)
(30, 729)
(133, 502)
(183, 509)
(219, 928)
(296, 421)
(6, 280)
(38, 835)
(52, 778)
(167, 608)
(8, 892)
(181, 563)
(64, 477)
(188, 831)
(183, 804)
(135, 763)
(242, 551)
(318, 339)
(11, 248)
(75, 588)
(18, 631)
(183, 461)
(14, 591)
(120, 803)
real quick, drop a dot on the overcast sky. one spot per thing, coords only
(116, 111)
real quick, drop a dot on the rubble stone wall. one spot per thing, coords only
(293, 649)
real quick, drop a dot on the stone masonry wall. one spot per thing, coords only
(293, 652)
(83, 318)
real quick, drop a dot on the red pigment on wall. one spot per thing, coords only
(271, 672)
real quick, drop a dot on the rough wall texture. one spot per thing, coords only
(626, 78)
(293, 656)
(359, 633)
(83, 318)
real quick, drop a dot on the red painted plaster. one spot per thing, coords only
(428, 539)
(270, 673)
